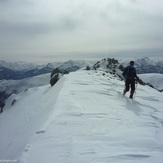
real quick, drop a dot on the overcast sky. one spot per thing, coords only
(57, 30)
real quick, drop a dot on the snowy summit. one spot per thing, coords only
(83, 118)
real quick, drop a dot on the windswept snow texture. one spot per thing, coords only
(83, 119)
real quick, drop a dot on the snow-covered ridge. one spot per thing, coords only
(142, 65)
(8, 87)
(83, 119)
(116, 67)
(36, 77)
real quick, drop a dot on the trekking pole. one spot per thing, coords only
(135, 89)
(124, 88)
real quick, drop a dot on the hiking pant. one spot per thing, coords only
(130, 83)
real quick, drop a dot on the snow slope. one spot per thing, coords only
(10, 86)
(155, 79)
(83, 119)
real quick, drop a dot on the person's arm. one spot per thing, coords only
(125, 73)
(137, 78)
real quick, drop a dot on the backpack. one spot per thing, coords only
(129, 73)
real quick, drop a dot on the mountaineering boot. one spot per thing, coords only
(131, 96)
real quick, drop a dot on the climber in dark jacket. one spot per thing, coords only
(130, 76)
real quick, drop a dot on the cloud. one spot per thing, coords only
(79, 26)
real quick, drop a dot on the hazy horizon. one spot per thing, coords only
(53, 30)
(98, 58)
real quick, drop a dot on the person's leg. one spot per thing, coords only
(132, 89)
(127, 87)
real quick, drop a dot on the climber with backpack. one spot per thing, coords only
(130, 77)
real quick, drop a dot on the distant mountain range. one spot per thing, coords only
(19, 76)
(21, 70)
(146, 64)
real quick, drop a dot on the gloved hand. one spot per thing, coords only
(137, 79)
